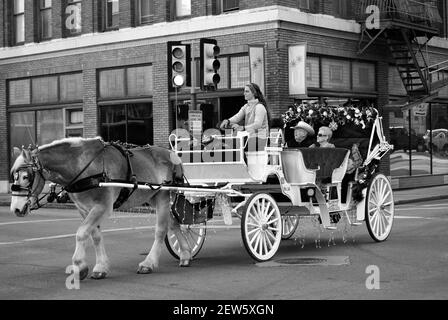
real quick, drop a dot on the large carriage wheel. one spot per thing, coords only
(195, 235)
(261, 226)
(289, 226)
(379, 207)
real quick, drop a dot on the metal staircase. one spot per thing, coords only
(406, 26)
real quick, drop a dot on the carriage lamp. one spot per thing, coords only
(310, 192)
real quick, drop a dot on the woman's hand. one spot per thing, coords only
(224, 124)
(237, 127)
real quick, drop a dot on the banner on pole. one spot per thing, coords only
(256, 62)
(297, 69)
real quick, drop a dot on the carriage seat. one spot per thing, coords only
(315, 165)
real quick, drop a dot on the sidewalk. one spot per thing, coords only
(400, 197)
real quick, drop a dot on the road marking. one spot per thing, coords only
(37, 221)
(423, 218)
(62, 236)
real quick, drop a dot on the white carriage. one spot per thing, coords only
(268, 190)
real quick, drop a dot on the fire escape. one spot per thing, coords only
(406, 26)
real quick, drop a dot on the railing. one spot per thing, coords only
(411, 11)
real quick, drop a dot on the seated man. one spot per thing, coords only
(323, 138)
(303, 136)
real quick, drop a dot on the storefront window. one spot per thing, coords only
(240, 73)
(439, 139)
(50, 126)
(421, 158)
(22, 130)
(131, 123)
(399, 137)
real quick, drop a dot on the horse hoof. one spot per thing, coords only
(184, 263)
(144, 270)
(98, 275)
(83, 273)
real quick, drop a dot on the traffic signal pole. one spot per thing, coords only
(193, 77)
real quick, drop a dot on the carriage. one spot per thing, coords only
(270, 189)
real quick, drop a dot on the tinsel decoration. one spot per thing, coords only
(315, 114)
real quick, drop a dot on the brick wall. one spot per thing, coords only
(30, 22)
(161, 114)
(57, 9)
(2, 24)
(126, 14)
(90, 108)
(3, 133)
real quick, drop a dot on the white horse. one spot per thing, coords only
(78, 164)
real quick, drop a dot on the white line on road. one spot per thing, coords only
(36, 221)
(422, 218)
(62, 236)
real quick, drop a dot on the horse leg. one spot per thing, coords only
(185, 250)
(102, 262)
(151, 261)
(83, 234)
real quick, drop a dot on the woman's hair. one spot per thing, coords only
(255, 89)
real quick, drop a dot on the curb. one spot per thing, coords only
(407, 201)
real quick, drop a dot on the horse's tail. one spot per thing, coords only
(178, 170)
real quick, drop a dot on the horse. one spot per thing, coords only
(77, 164)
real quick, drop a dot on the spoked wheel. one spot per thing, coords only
(261, 226)
(195, 236)
(289, 226)
(379, 208)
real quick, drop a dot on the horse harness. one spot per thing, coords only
(77, 186)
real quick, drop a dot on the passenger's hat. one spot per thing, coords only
(305, 126)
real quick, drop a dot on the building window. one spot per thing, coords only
(133, 82)
(239, 71)
(221, 6)
(304, 4)
(72, 18)
(180, 9)
(343, 9)
(131, 123)
(45, 12)
(74, 119)
(18, 16)
(145, 9)
(111, 16)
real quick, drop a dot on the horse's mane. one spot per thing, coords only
(73, 142)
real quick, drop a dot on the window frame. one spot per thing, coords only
(150, 16)
(41, 10)
(173, 11)
(300, 6)
(14, 17)
(220, 7)
(126, 95)
(105, 16)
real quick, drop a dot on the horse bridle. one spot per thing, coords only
(33, 184)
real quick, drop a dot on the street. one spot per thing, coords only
(35, 252)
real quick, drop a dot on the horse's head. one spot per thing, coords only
(28, 182)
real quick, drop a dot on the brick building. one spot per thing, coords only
(99, 68)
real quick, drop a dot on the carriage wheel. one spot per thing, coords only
(261, 226)
(379, 208)
(195, 235)
(289, 226)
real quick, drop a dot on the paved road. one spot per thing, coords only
(35, 251)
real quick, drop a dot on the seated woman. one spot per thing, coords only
(323, 138)
(303, 136)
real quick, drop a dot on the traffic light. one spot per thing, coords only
(209, 64)
(179, 66)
